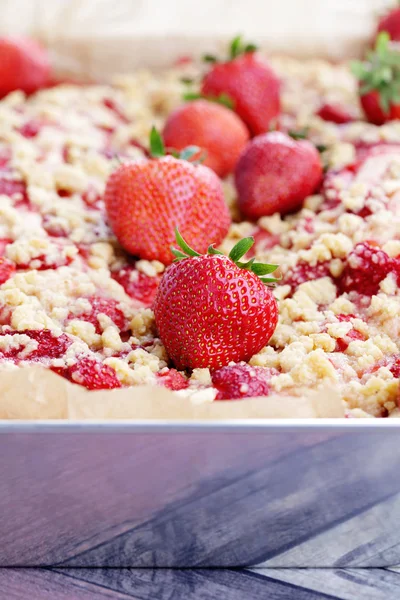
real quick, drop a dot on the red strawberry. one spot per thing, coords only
(7, 269)
(212, 309)
(24, 65)
(91, 374)
(212, 127)
(241, 381)
(137, 285)
(366, 267)
(147, 199)
(275, 174)
(249, 82)
(379, 78)
(335, 113)
(391, 23)
(173, 380)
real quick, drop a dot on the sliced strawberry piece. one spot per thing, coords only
(91, 374)
(241, 381)
(137, 285)
(49, 346)
(304, 272)
(173, 380)
(336, 113)
(7, 269)
(263, 241)
(112, 105)
(105, 306)
(366, 267)
(10, 187)
(30, 129)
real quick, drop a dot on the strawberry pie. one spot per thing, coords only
(283, 276)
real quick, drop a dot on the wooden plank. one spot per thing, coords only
(197, 584)
(55, 489)
(345, 584)
(267, 512)
(41, 584)
(200, 584)
(357, 540)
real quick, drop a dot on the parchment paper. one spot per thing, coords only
(36, 393)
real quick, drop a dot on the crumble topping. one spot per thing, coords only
(75, 302)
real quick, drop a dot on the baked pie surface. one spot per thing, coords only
(72, 300)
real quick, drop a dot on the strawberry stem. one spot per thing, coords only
(237, 252)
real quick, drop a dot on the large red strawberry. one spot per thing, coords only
(249, 82)
(390, 22)
(212, 309)
(145, 200)
(379, 78)
(275, 173)
(213, 127)
(24, 65)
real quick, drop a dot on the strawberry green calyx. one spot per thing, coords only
(158, 150)
(237, 252)
(380, 72)
(236, 48)
(223, 99)
(302, 134)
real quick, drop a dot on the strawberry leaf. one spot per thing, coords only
(225, 100)
(188, 96)
(178, 254)
(241, 248)
(156, 144)
(263, 269)
(246, 265)
(251, 48)
(210, 58)
(300, 134)
(184, 246)
(187, 80)
(189, 152)
(212, 250)
(236, 46)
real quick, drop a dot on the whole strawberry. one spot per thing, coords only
(217, 130)
(212, 309)
(24, 65)
(379, 78)
(275, 173)
(249, 82)
(390, 22)
(145, 200)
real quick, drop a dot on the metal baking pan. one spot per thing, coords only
(320, 493)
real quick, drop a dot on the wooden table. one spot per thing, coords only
(226, 584)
